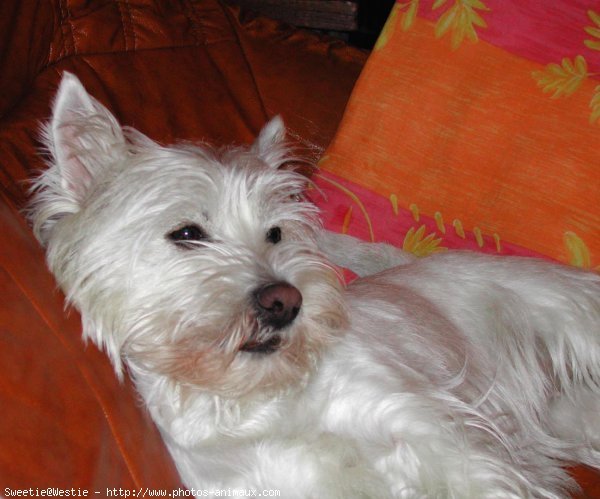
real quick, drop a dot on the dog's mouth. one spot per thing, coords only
(266, 346)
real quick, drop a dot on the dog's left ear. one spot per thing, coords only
(83, 138)
(270, 143)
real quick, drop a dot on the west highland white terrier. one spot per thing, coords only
(207, 276)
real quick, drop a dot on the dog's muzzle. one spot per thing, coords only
(276, 305)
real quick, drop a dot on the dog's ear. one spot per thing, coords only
(270, 144)
(82, 137)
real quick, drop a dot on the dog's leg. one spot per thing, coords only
(307, 468)
(514, 335)
(360, 257)
(535, 326)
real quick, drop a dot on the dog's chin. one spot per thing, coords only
(241, 364)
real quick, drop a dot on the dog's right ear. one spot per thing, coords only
(82, 137)
(270, 144)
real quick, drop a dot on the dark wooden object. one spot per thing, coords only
(334, 15)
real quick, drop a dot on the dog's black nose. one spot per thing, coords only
(278, 304)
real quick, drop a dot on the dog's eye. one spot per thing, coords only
(274, 235)
(186, 235)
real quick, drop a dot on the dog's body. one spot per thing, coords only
(459, 375)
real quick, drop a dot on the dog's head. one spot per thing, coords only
(197, 265)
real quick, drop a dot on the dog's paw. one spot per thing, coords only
(360, 257)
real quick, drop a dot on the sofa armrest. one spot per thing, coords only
(66, 420)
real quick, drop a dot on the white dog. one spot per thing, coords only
(459, 375)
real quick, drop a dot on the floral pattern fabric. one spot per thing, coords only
(475, 124)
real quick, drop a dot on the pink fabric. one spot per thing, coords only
(352, 209)
(540, 30)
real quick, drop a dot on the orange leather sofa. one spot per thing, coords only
(187, 69)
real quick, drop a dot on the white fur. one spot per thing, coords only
(459, 375)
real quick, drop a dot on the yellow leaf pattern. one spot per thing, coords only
(439, 221)
(458, 228)
(595, 105)
(418, 244)
(564, 79)
(579, 255)
(394, 201)
(478, 236)
(461, 20)
(593, 31)
(410, 13)
(497, 242)
(388, 28)
(414, 209)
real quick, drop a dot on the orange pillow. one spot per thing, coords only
(475, 124)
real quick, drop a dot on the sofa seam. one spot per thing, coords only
(248, 64)
(130, 11)
(71, 28)
(189, 11)
(130, 52)
(123, 28)
(66, 29)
